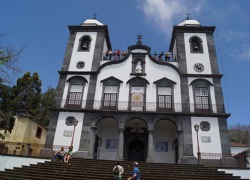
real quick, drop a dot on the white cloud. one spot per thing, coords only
(244, 52)
(164, 14)
(231, 35)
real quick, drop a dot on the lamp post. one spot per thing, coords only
(196, 127)
(75, 122)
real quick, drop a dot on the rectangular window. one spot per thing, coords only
(137, 98)
(201, 98)
(164, 98)
(75, 94)
(39, 132)
(110, 97)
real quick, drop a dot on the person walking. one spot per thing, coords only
(118, 171)
(135, 173)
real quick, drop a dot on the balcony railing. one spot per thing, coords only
(159, 57)
(144, 107)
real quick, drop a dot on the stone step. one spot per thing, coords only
(102, 169)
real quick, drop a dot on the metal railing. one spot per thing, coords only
(143, 107)
(219, 160)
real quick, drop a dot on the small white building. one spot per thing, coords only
(140, 106)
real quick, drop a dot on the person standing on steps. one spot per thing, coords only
(118, 171)
(136, 172)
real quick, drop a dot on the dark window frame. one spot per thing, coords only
(39, 132)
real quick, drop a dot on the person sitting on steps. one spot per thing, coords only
(59, 154)
(68, 155)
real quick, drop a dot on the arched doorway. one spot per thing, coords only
(135, 140)
(136, 151)
(165, 141)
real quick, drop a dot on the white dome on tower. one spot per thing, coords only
(91, 22)
(189, 22)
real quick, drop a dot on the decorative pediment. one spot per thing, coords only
(77, 79)
(137, 81)
(201, 82)
(165, 81)
(111, 81)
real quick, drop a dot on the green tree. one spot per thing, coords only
(27, 95)
(240, 134)
(47, 102)
(7, 119)
(9, 56)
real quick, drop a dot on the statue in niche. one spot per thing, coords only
(138, 67)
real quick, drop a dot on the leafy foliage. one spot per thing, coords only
(240, 134)
(27, 95)
(47, 102)
(7, 119)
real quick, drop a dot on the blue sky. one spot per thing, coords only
(41, 27)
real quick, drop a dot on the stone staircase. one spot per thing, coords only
(89, 169)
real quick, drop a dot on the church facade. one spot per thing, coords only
(138, 106)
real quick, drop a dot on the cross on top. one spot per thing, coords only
(139, 37)
(188, 14)
(95, 15)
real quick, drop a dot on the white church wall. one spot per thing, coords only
(85, 56)
(108, 150)
(211, 98)
(209, 141)
(164, 135)
(154, 72)
(63, 134)
(193, 58)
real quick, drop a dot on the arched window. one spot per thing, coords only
(111, 87)
(137, 98)
(84, 44)
(165, 94)
(76, 89)
(196, 44)
(201, 91)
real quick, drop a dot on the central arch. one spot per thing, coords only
(135, 140)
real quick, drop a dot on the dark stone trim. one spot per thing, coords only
(219, 95)
(202, 80)
(79, 78)
(226, 115)
(185, 99)
(212, 54)
(60, 89)
(224, 136)
(203, 75)
(187, 136)
(76, 72)
(138, 74)
(91, 91)
(52, 127)
(137, 78)
(68, 53)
